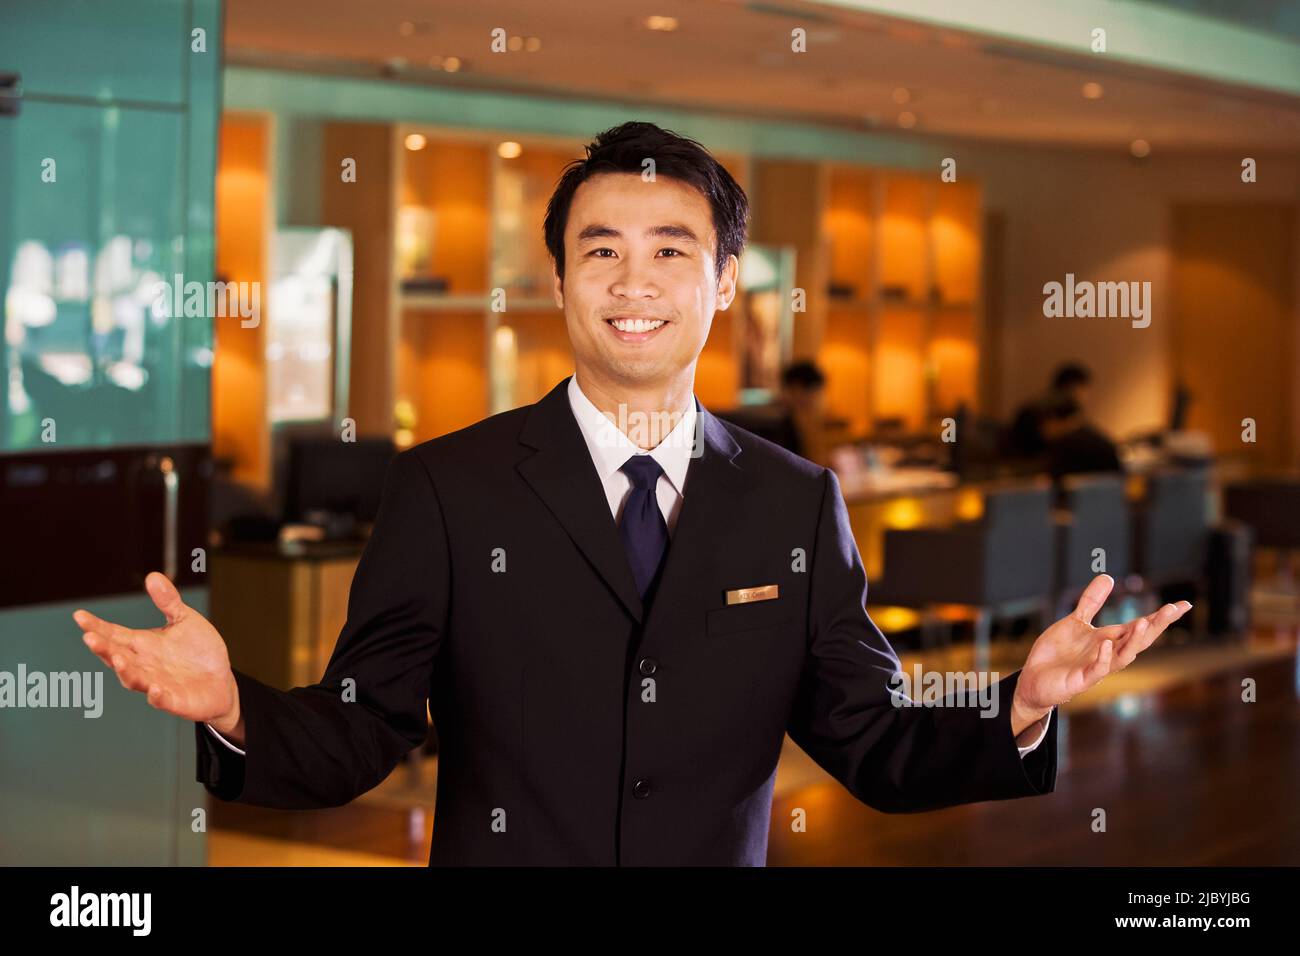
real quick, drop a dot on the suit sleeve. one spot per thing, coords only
(323, 745)
(896, 759)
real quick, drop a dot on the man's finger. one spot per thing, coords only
(1100, 667)
(98, 646)
(165, 596)
(106, 629)
(1093, 597)
(1142, 632)
(1138, 638)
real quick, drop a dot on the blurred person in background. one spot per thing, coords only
(1026, 437)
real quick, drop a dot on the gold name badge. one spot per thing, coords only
(745, 595)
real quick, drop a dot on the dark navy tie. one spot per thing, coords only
(643, 529)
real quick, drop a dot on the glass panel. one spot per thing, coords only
(80, 48)
(92, 247)
(107, 783)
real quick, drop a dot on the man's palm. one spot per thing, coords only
(1072, 655)
(181, 667)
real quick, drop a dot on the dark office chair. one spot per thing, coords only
(1171, 533)
(1094, 515)
(1270, 506)
(1267, 512)
(1000, 565)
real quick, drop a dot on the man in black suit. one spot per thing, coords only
(614, 604)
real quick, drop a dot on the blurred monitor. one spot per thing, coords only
(326, 474)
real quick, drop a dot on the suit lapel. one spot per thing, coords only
(563, 475)
(712, 493)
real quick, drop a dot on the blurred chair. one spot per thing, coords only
(1000, 565)
(1171, 532)
(1094, 515)
(1270, 507)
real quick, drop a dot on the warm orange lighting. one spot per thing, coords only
(902, 95)
(451, 64)
(662, 24)
(891, 619)
(902, 513)
(1140, 148)
(532, 44)
(415, 142)
(906, 119)
(1092, 91)
(509, 150)
(970, 505)
(515, 44)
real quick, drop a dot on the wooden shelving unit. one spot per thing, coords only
(890, 262)
(902, 332)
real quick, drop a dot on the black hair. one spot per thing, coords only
(804, 374)
(1071, 374)
(623, 149)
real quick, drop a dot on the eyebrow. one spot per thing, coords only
(672, 230)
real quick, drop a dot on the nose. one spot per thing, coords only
(633, 280)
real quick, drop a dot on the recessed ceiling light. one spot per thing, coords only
(1092, 91)
(451, 64)
(662, 24)
(902, 95)
(906, 119)
(509, 149)
(415, 142)
(1140, 148)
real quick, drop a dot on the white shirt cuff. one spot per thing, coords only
(242, 754)
(1034, 745)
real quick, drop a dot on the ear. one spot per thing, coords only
(727, 284)
(557, 286)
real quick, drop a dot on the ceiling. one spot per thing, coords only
(734, 56)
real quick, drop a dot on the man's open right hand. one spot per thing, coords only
(181, 667)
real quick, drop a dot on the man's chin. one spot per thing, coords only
(637, 372)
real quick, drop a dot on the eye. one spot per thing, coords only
(596, 252)
(675, 252)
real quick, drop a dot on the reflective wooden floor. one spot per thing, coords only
(1185, 771)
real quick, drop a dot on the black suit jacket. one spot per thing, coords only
(574, 726)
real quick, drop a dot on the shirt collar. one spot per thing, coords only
(610, 447)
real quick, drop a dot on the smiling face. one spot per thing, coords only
(640, 286)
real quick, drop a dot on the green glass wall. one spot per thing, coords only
(106, 189)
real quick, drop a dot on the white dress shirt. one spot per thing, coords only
(610, 448)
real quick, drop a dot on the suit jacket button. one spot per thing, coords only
(648, 665)
(641, 789)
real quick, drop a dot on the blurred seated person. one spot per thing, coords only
(794, 421)
(1074, 446)
(1026, 438)
(803, 395)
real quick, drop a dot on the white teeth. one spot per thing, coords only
(636, 325)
